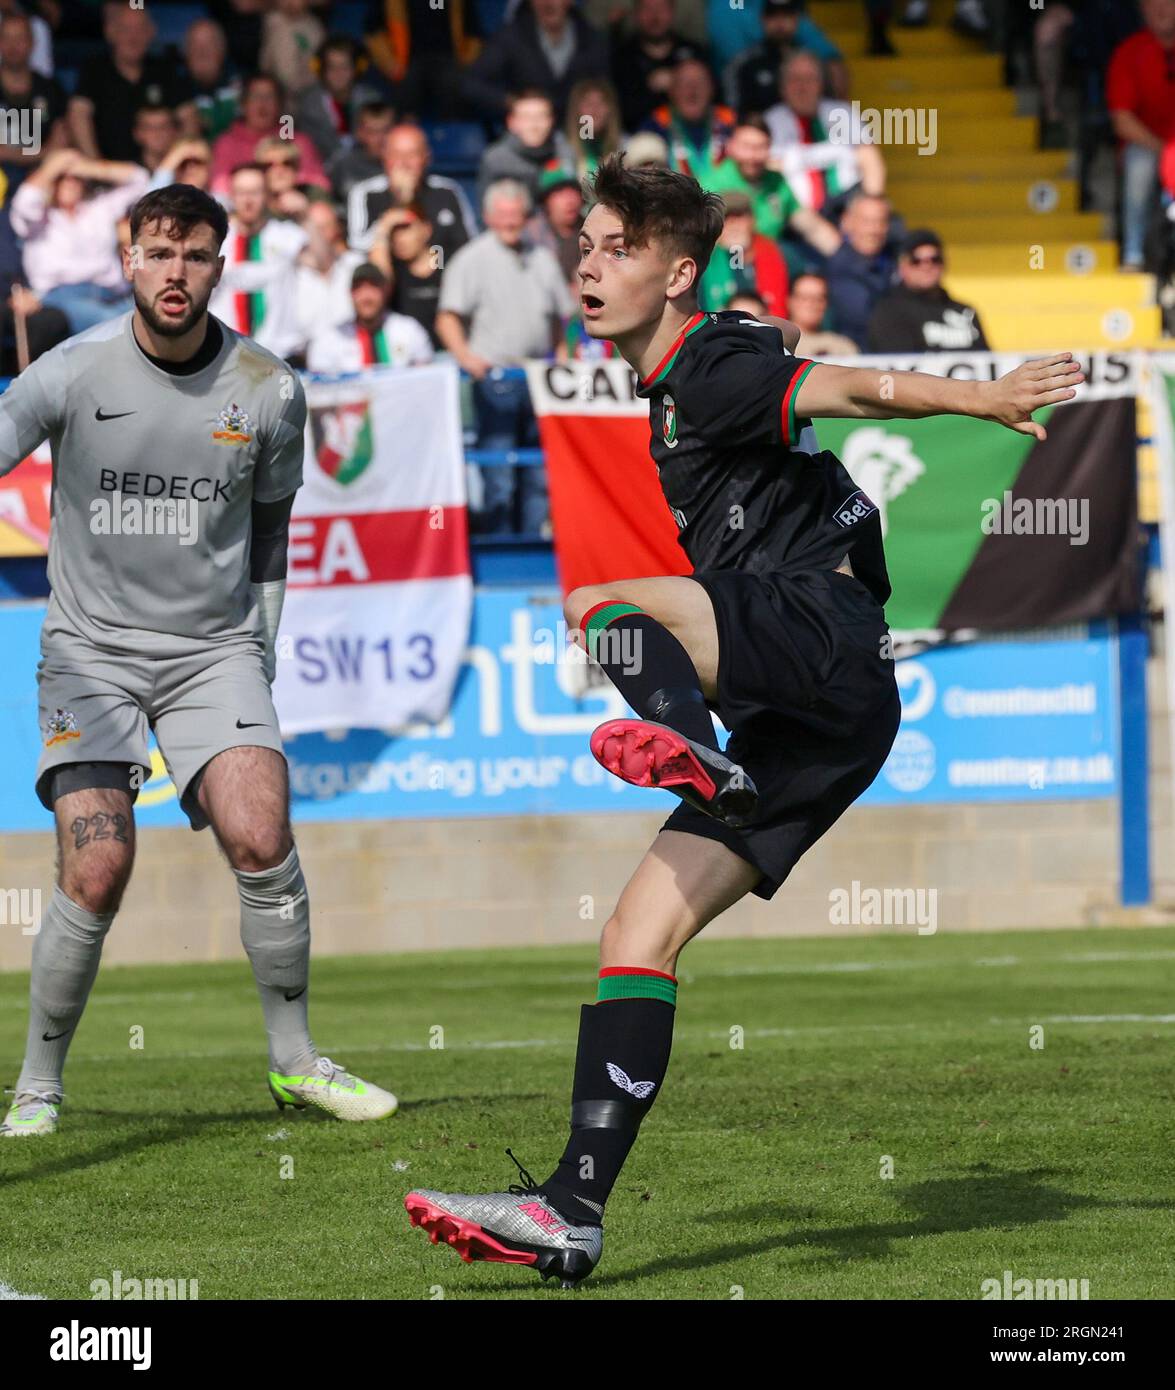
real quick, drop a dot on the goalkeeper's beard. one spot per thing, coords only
(170, 328)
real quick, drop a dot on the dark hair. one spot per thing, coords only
(339, 43)
(177, 209)
(752, 120)
(527, 94)
(656, 204)
(809, 275)
(255, 77)
(375, 108)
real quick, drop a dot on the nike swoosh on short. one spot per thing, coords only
(46, 1038)
(260, 724)
(99, 416)
(291, 997)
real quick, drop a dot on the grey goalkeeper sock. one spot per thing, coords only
(275, 932)
(66, 953)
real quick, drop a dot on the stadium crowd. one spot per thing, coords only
(404, 180)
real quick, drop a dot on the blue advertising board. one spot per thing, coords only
(987, 721)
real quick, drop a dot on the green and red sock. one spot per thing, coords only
(624, 1043)
(650, 668)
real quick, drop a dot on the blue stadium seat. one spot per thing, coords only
(491, 15)
(456, 146)
(347, 18)
(171, 23)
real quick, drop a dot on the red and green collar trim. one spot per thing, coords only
(662, 368)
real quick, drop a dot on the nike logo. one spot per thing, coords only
(46, 1037)
(260, 724)
(291, 997)
(99, 416)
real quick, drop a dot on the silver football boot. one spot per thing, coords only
(517, 1227)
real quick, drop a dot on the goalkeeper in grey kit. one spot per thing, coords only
(160, 414)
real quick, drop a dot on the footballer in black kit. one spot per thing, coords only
(805, 668)
(780, 629)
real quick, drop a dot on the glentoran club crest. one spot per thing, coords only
(60, 727)
(235, 426)
(669, 421)
(342, 439)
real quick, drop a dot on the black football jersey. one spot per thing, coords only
(746, 481)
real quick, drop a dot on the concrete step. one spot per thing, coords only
(1077, 330)
(1024, 229)
(980, 197)
(1027, 293)
(1076, 260)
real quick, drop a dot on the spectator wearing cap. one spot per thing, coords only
(807, 308)
(260, 119)
(694, 127)
(918, 315)
(744, 262)
(546, 44)
(529, 145)
(821, 170)
(504, 300)
(328, 107)
(1140, 96)
(373, 337)
(643, 62)
(592, 128)
(751, 81)
(257, 292)
(646, 148)
(744, 170)
(862, 268)
(405, 179)
(323, 269)
(556, 222)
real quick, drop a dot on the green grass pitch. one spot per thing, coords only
(759, 1172)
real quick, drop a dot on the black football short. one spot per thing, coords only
(806, 686)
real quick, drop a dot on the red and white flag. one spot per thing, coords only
(380, 594)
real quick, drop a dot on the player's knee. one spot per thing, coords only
(651, 945)
(97, 887)
(580, 601)
(258, 847)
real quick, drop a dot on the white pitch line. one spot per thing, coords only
(8, 1292)
(512, 1044)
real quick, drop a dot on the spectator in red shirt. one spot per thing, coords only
(1140, 96)
(744, 261)
(260, 119)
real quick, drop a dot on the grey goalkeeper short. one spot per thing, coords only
(95, 706)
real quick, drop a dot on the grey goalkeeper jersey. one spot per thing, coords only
(154, 477)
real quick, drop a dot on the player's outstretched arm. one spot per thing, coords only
(863, 392)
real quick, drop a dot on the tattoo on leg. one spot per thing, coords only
(102, 825)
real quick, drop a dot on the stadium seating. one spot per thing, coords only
(1009, 214)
